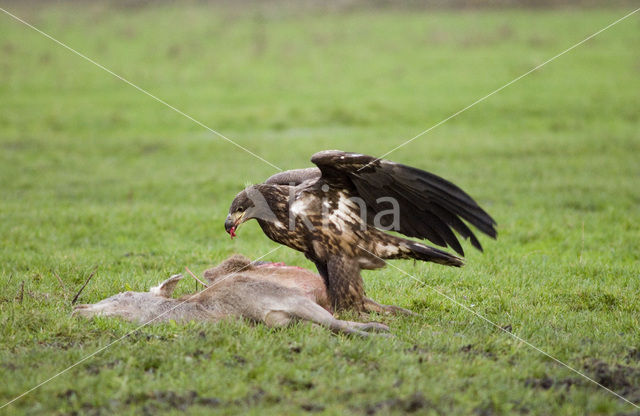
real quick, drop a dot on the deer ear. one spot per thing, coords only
(234, 264)
(165, 289)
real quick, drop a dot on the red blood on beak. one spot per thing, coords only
(232, 231)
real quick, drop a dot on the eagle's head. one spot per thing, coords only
(258, 201)
(241, 210)
(252, 203)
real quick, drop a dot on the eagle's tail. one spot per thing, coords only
(400, 248)
(425, 253)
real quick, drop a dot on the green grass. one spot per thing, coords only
(94, 174)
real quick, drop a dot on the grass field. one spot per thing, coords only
(96, 176)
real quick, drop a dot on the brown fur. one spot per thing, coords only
(309, 283)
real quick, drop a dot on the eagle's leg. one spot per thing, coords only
(322, 271)
(371, 305)
(344, 285)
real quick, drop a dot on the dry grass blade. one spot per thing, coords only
(75, 298)
(59, 280)
(194, 276)
(20, 294)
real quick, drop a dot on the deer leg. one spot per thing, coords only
(277, 319)
(309, 311)
(369, 326)
(371, 305)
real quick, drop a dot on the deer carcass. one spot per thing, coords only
(271, 293)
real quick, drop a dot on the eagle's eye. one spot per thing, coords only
(240, 209)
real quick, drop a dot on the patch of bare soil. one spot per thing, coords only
(622, 379)
(171, 399)
(409, 404)
(547, 382)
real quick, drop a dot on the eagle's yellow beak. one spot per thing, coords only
(232, 222)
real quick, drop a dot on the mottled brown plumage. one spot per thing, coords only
(334, 215)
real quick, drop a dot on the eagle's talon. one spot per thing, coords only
(371, 306)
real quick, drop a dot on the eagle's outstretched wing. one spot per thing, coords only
(430, 206)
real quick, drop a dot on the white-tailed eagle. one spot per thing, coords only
(336, 213)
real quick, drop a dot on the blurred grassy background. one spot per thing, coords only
(94, 173)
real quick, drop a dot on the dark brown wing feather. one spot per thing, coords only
(430, 207)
